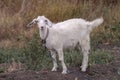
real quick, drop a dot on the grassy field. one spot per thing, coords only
(23, 44)
(15, 15)
(34, 56)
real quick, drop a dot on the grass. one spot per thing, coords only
(13, 26)
(100, 56)
(6, 55)
(36, 57)
(22, 44)
(36, 54)
(74, 58)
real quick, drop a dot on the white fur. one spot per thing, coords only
(68, 34)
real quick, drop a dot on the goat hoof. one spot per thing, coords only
(83, 70)
(54, 69)
(64, 72)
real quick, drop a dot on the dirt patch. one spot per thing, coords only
(109, 71)
(97, 72)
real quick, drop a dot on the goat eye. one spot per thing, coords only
(46, 22)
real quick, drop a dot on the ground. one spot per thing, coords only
(109, 71)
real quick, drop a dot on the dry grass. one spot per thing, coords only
(13, 19)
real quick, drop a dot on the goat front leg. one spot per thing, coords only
(55, 66)
(61, 58)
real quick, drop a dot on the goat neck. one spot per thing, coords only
(44, 34)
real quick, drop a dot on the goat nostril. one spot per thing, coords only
(42, 27)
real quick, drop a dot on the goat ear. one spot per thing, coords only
(35, 21)
(32, 22)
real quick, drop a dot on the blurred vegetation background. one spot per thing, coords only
(16, 14)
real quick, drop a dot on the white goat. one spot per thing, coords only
(64, 35)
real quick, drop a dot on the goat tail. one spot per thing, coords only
(95, 23)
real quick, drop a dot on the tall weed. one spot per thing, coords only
(13, 26)
(36, 55)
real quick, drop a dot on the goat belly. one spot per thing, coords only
(49, 44)
(53, 44)
(70, 44)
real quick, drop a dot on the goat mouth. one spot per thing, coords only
(42, 29)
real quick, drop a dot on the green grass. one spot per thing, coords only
(36, 57)
(6, 55)
(13, 30)
(99, 56)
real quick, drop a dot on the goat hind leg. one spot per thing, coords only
(85, 50)
(85, 61)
